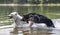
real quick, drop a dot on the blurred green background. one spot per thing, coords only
(52, 12)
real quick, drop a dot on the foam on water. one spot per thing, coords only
(56, 23)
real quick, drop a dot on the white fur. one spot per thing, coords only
(17, 18)
(15, 15)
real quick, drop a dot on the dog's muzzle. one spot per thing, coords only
(10, 17)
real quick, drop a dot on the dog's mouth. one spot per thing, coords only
(10, 17)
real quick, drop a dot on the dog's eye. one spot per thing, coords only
(15, 14)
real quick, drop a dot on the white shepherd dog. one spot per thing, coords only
(16, 17)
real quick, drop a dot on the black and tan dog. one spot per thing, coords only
(37, 18)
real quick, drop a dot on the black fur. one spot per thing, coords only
(38, 19)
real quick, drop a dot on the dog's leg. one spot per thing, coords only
(15, 30)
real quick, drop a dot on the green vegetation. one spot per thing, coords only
(52, 12)
(49, 11)
(30, 1)
(6, 1)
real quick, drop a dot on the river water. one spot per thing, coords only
(9, 30)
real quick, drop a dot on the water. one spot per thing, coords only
(9, 30)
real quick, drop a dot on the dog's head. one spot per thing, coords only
(12, 15)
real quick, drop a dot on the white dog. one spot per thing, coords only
(17, 21)
(17, 18)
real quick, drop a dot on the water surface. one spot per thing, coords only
(9, 30)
